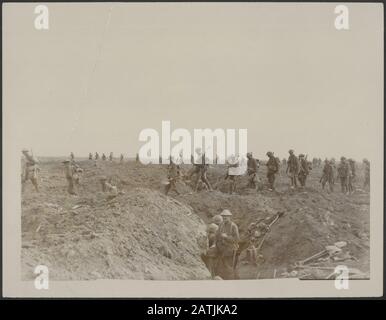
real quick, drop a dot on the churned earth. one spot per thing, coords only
(143, 234)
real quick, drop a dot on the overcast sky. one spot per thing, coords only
(104, 72)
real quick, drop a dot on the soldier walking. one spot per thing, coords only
(70, 176)
(202, 175)
(173, 176)
(272, 169)
(292, 168)
(303, 170)
(31, 170)
(343, 174)
(352, 175)
(252, 166)
(328, 175)
(233, 164)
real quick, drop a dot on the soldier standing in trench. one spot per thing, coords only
(227, 239)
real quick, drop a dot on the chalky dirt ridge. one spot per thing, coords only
(143, 234)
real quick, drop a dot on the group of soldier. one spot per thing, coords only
(223, 240)
(222, 246)
(297, 169)
(103, 157)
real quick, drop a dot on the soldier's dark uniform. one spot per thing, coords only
(252, 166)
(366, 182)
(303, 170)
(30, 170)
(292, 168)
(352, 175)
(203, 169)
(227, 238)
(272, 169)
(69, 173)
(328, 175)
(343, 174)
(173, 175)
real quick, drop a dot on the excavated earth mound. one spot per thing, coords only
(143, 234)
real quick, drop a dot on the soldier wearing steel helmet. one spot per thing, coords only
(252, 166)
(272, 169)
(31, 170)
(174, 173)
(217, 219)
(343, 174)
(303, 170)
(292, 168)
(227, 239)
(69, 172)
(327, 175)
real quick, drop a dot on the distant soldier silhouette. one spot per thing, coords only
(252, 167)
(303, 170)
(366, 165)
(352, 175)
(292, 168)
(69, 170)
(122, 157)
(173, 176)
(272, 169)
(343, 174)
(30, 171)
(104, 157)
(90, 156)
(96, 156)
(111, 157)
(328, 175)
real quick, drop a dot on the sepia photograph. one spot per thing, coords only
(181, 143)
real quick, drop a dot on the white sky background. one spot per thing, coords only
(280, 70)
